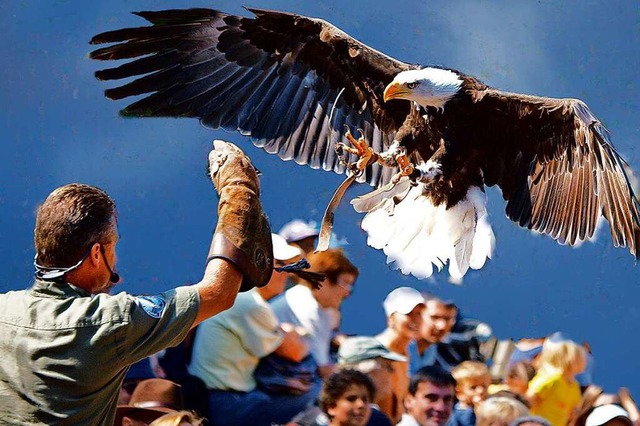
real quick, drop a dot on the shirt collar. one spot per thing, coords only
(58, 289)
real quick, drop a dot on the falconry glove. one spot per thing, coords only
(242, 235)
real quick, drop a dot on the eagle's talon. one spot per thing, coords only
(406, 168)
(366, 155)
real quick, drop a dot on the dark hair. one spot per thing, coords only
(72, 218)
(337, 384)
(522, 370)
(432, 374)
(428, 297)
(331, 263)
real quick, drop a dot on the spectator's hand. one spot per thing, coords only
(287, 327)
(293, 347)
(326, 370)
(339, 338)
(629, 404)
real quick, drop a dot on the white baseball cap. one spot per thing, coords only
(604, 413)
(282, 250)
(402, 300)
(297, 230)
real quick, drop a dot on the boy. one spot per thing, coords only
(472, 382)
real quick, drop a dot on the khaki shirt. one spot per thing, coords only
(64, 353)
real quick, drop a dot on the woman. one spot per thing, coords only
(316, 310)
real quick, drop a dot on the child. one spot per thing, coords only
(472, 382)
(346, 397)
(500, 411)
(517, 381)
(554, 392)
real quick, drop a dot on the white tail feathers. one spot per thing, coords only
(416, 235)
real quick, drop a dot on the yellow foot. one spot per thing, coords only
(406, 168)
(366, 155)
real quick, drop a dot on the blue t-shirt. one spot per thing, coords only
(462, 416)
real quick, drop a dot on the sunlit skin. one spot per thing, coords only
(401, 330)
(431, 405)
(408, 325)
(111, 258)
(473, 390)
(352, 408)
(438, 321)
(381, 377)
(93, 275)
(517, 385)
(576, 368)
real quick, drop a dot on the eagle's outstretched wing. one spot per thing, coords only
(557, 169)
(276, 78)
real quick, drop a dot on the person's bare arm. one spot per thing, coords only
(533, 399)
(217, 289)
(630, 405)
(293, 347)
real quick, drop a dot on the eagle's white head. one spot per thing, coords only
(427, 86)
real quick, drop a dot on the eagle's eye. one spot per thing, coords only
(412, 85)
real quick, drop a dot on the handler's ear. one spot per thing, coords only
(95, 257)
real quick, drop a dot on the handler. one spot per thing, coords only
(66, 345)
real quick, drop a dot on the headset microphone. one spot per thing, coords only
(54, 273)
(115, 277)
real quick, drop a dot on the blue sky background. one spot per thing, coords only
(58, 128)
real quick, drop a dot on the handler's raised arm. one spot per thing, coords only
(241, 255)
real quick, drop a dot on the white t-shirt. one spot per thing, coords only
(298, 307)
(408, 420)
(228, 346)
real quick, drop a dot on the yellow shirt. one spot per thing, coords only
(497, 387)
(558, 397)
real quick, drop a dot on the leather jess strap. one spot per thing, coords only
(327, 220)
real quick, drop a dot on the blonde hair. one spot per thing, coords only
(174, 419)
(562, 355)
(469, 370)
(499, 411)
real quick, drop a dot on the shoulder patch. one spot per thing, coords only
(152, 305)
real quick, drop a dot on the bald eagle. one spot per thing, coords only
(432, 138)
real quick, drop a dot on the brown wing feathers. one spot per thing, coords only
(566, 172)
(275, 78)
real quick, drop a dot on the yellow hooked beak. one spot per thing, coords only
(394, 91)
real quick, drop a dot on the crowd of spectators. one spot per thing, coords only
(277, 357)
(257, 340)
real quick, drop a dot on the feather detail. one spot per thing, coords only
(417, 235)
